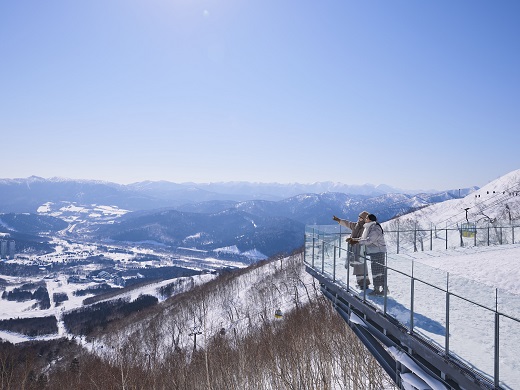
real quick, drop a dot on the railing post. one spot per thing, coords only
(334, 266)
(397, 236)
(347, 263)
(313, 246)
(412, 288)
(431, 239)
(365, 270)
(305, 246)
(446, 238)
(415, 238)
(323, 256)
(497, 342)
(385, 282)
(447, 336)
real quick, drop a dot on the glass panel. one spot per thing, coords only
(328, 258)
(398, 298)
(399, 263)
(433, 276)
(472, 335)
(508, 304)
(509, 368)
(430, 320)
(473, 291)
(342, 276)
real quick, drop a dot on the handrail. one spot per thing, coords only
(411, 239)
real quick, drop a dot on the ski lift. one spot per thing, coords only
(278, 313)
(469, 229)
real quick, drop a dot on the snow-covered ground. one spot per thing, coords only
(27, 309)
(481, 281)
(58, 266)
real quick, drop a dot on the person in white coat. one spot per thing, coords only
(374, 241)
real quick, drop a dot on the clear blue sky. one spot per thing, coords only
(414, 94)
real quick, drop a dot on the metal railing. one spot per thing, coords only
(414, 238)
(472, 322)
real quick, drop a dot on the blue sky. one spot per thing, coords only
(414, 94)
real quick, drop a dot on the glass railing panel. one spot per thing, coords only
(508, 304)
(399, 263)
(343, 272)
(309, 252)
(473, 291)
(472, 334)
(399, 297)
(334, 254)
(342, 275)
(430, 320)
(509, 352)
(311, 244)
(430, 275)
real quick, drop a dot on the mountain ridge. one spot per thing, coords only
(98, 209)
(27, 194)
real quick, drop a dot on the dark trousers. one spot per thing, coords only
(357, 262)
(378, 268)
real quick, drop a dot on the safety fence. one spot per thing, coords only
(470, 321)
(411, 237)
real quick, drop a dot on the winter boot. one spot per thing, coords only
(363, 285)
(378, 290)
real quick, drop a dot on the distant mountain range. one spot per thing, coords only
(249, 216)
(26, 195)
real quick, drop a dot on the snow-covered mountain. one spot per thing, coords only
(28, 194)
(266, 191)
(135, 213)
(498, 202)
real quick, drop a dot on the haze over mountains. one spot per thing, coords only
(238, 216)
(27, 194)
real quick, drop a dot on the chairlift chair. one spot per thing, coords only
(469, 229)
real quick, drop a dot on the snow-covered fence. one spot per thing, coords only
(464, 320)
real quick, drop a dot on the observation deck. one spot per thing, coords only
(432, 330)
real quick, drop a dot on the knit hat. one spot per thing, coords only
(372, 217)
(363, 214)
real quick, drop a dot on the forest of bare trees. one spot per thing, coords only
(220, 335)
